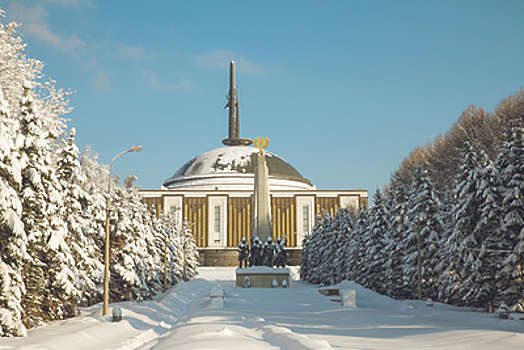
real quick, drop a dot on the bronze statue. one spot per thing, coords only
(269, 253)
(255, 258)
(243, 252)
(281, 258)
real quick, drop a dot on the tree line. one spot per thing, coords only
(52, 210)
(456, 203)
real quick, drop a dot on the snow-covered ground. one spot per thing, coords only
(294, 318)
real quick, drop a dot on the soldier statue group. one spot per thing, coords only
(268, 254)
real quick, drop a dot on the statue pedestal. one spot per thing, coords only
(262, 276)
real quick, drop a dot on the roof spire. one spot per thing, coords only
(234, 138)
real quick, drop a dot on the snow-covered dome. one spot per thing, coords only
(232, 168)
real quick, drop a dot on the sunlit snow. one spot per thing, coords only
(295, 318)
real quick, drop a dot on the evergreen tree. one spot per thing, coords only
(448, 203)
(375, 244)
(128, 251)
(327, 253)
(512, 229)
(51, 274)
(52, 210)
(304, 259)
(480, 284)
(151, 230)
(167, 228)
(75, 213)
(423, 214)
(315, 249)
(186, 245)
(344, 238)
(13, 240)
(95, 185)
(462, 242)
(16, 69)
(357, 250)
(394, 247)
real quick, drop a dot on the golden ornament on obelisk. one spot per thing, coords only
(261, 143)
(261, 217)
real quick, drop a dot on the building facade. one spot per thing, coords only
(214, 192)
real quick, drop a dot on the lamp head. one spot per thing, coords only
(136, 149)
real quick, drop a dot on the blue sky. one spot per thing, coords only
(344, 90)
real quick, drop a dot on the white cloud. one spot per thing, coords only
(35, 23)
(102, 83)
(71, 2)
(76, 3)
(152, 81)
(221, 58)
(123, 50)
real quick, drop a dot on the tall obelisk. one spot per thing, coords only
(234, 138)
(261, 218)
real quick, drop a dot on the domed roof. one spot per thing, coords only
(233, 168)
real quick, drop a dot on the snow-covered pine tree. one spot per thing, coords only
(13, 240)
(304, 259)
(356, 250)
(425, 224)
(480, 283)
(344, 237)
(307, 263)
(51, 275)
(166, 227)
(447, 276)
(399, 227)
(95, 185)
(77, 217)
(327, 253)
(469, 268)
(512, 229)
(185, 244)
(128, 250)
(431, 234)
(461, 244)
(376, 241)
(156, 244)
(151, 228)
(314, 249)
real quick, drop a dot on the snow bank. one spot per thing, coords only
(142, 322)
(295, 318)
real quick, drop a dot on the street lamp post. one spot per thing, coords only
(167, 238)
(106, 271)
(165, 263)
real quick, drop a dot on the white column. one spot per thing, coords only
(173, 206)
(349, 202)
(217, 221)
(304, 217)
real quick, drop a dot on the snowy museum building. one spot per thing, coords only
(214, 192)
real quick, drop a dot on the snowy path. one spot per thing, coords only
(301, 318)
(239, 325)
(295, 318)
